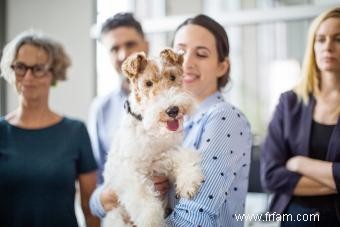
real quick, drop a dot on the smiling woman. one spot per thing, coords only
(207, 67)
(217, 130)
(42, 153)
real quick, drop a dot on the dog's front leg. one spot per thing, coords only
(187, 172)
(140, 201)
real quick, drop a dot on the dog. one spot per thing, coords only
(149, 142)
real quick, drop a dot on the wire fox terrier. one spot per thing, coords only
(149, 142)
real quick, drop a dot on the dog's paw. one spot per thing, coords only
(188, 188)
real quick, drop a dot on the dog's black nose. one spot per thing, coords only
(172, 111)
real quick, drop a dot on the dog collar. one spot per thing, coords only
(127, 107)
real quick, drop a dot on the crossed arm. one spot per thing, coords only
(299, 175)
(317, 176)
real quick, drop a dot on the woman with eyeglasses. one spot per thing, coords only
(42, 153)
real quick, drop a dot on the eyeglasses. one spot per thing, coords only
(38, 70)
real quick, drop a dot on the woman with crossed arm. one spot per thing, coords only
(301, 154)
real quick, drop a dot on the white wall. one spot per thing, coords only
(69, 22)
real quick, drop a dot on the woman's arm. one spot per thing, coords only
(309, 187)
(317, 170)
(87, 183)
(275, 152)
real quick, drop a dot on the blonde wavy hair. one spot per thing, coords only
(58, 58)
(310, 83)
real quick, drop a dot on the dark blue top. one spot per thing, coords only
(38, 170)
(319, 142)
(289, 135)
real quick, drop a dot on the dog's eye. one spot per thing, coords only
(172, 77)
(148, 83)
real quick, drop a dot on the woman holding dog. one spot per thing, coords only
(42, 153)
(217, 130)
(301, 154)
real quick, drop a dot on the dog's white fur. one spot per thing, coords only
(146, 148)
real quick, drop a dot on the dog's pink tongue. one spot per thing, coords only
(172, 125)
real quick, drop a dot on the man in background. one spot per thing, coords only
(121, 35)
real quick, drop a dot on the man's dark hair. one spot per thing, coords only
(121, 20)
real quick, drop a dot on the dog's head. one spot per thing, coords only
(156, 90)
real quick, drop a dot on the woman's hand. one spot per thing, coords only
(162, 185)
(108, 199)
(293, 164)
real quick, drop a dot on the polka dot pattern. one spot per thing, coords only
(221, 134)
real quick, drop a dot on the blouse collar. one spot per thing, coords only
(202, 108)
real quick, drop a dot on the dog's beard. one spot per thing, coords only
(155, 117)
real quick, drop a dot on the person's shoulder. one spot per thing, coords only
(227, 111)
(3, 122)
(73, 123)
(227, 118)
(289, 96)
(101, 101)
(76, 130)
(289, 100)
(224, 107)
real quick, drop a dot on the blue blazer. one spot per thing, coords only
(289, 135)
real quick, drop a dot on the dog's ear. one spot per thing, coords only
(169, 56)
(134, 65)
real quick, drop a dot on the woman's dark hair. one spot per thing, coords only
(221, 38)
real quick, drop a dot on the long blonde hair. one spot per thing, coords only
(310, 83)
